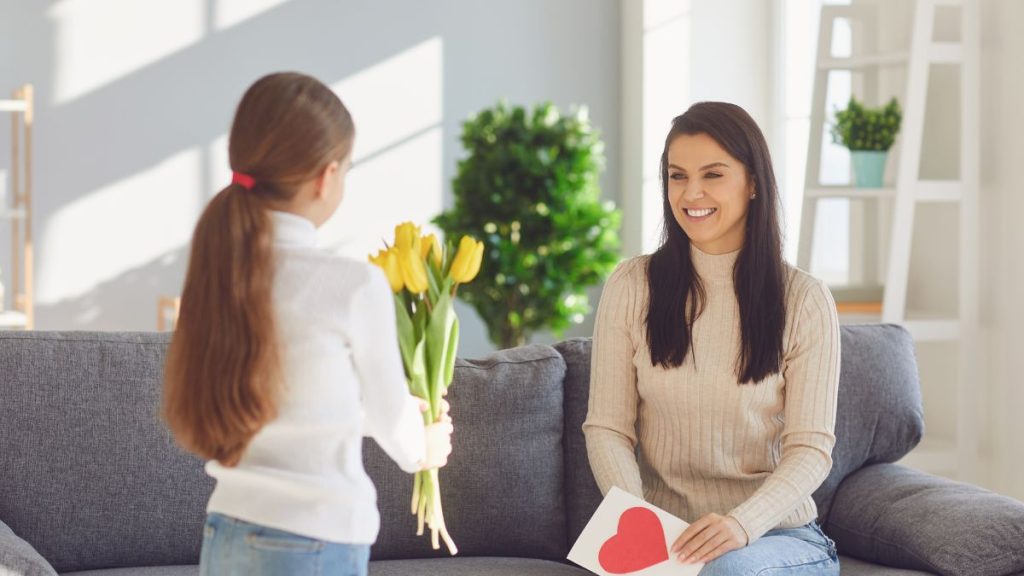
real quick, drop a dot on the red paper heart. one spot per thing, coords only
(639, 543)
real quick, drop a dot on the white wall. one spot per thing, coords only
(135, 100)
(676, 53)
(1002, 266)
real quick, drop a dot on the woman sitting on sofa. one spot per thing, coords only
(720, 362)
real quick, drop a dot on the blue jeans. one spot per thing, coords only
(232, 547)
(783, 552)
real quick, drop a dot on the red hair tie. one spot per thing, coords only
(244, 180)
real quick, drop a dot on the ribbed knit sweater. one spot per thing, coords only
(706, 442)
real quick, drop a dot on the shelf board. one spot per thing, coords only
(865, 61)
(927, 191)
(12, 214)
(945, 53)
(13, 106)
(849, 192)
(10, 319)
(857, 292)
(939, 191)
(854, 307)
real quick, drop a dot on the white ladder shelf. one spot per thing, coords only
(955, 457)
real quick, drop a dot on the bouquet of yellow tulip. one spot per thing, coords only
(425, 278)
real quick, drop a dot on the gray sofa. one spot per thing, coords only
(91, 482)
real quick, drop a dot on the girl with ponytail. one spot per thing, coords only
(285, 356)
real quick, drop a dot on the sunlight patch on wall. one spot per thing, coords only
(395, 99)
(101, 41)
(219, 168)
(666, 92)
(228, 13)
(403, 184)
(399, 151)
(119, 227)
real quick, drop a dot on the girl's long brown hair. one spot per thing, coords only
(223, 374)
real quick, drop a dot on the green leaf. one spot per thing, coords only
(406, 334)
(453, 349)
(436, 346)
(434, 279)
(418, 376)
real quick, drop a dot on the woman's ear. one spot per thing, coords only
(324, 180)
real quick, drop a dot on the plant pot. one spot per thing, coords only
(868, 167)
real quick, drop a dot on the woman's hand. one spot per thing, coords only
(439, 438)
(709, 538)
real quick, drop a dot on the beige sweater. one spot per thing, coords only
(707, 443)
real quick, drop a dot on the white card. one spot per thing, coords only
(626, 535)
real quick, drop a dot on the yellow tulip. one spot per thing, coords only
(414, 271)
(407, 236)
(430, 242)
(474, 266)
(467, 260)
(387, 260)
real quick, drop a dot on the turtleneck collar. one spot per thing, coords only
(714, 266)
(292, 230)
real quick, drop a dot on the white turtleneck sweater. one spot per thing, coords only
(707, 443)
(303, 472)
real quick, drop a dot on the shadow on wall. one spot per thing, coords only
(127, 156)
(132, 295)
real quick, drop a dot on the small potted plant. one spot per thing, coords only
(868, 133)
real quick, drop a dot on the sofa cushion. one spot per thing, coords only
(88, 473)
(903, 518)
(853, 567)
(502, 490)
(474, 567)
(19, 557)
(879, 416)
(582, 496)
(188, 570)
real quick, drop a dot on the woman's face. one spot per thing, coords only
(709, 192)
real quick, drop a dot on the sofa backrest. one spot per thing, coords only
(91, 478)
(503, 488)
(879, 419)
(88, 474)
(880, 415)
(582, 495)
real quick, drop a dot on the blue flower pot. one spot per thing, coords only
(868, 167)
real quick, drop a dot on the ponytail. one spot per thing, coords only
(223, 376)
(223, 368)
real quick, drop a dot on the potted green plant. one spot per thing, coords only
(528, 189)
(868, 133)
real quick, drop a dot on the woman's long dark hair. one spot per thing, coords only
(677, 296)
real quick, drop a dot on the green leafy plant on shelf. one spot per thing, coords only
(859, 127)
(528, 189)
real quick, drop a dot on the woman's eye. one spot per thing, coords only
(677, 176)
(712, 175)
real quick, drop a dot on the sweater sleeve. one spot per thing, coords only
(391, 415)
(610, 427)
(811, 373)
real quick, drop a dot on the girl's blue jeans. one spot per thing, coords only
(233, 547)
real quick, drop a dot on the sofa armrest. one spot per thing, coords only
(19, 558)
(892, 515)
